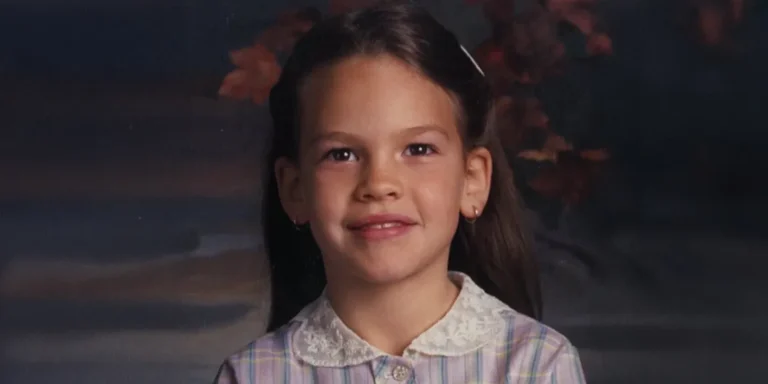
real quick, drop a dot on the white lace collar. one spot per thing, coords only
(474, 320)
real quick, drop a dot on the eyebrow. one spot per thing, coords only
(411, 131)
(419, 129)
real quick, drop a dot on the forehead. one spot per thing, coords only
(373, 94)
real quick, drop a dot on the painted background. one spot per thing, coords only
(129, 247)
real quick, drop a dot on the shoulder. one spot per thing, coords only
(267, 356)
(274, 345)
(528, 350)
(537, 350)
(525, 332)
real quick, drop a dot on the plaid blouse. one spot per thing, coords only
(479, 340)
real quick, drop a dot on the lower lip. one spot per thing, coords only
(372, 233)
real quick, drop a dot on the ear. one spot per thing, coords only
(477, 183)
(289, 189)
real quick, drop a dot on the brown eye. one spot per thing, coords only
(341, 154)
(420, 150)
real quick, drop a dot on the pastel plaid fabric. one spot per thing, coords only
(519, 350)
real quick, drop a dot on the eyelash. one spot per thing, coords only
(429, 149)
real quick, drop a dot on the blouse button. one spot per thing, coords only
(400, 373)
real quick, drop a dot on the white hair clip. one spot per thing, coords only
(473, 60)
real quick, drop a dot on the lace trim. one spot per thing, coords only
(474, 320)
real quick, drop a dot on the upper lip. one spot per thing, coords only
(381, 219)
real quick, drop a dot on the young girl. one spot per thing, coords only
(386, 174)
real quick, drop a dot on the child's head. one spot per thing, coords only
(382, 143)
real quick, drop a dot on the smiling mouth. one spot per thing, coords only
(380, 227)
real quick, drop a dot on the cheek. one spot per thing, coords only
(329, 190)
(438, 189)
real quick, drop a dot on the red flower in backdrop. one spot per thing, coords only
(571, 179)
(257, 71)
(715, 20)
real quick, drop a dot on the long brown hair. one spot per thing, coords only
(493, 250)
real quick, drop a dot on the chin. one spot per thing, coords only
(384, 263)
(385, 277)
(389, 270)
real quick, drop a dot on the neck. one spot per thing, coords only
(391, 316)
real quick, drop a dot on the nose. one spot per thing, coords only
(379, 181)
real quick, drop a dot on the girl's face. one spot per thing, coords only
(382, 176)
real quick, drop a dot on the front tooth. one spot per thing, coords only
(384, 225)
